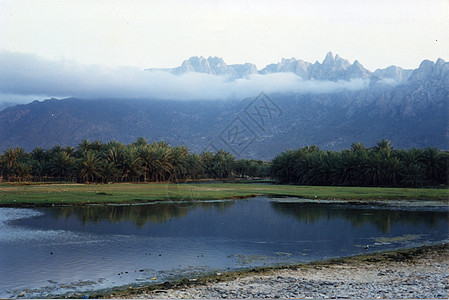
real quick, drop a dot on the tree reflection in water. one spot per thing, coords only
(138, 214)
(383, 219)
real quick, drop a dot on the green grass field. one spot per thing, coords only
(48, 194)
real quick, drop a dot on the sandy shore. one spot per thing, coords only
(414, 273)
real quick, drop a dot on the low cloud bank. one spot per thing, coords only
(30, 75)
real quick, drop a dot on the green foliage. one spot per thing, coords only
(380, 165)
(115, 162)
(141, 161)
(90, 166)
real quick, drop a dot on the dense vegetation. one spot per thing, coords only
(155, 162)
(115, 162)
(360, 166)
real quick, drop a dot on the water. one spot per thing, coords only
(46, 252)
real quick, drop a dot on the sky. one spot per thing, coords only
(111, 34)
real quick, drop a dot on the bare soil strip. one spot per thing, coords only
(412, 273)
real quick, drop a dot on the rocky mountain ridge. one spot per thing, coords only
(331, 68)
(413, 112)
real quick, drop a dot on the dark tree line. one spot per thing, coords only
(116, 162)
(141, 161)
(380, 165)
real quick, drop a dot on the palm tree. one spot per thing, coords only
(331, 168)
(22, 170)
(156, 161)
(132, 164)
(411, 156)
(383, 147)
(69, 150)
(357, 147)
(144, 153)
(393, 167)
(116, 155)
(312, 165)
(309, 149)
(282, 167)
(140, 142)
(352, 166)
(223, 164)
(90, 166)
(195, 166)
(84, 146)
(12, 155)
(109, 171)
(160, 166)
(242, 167)
(62, 164)
(373, 172)
(413, 175)
(112, 144)
(39, 154)
(9, 160)
(432, 163)
(178, 158)
(206, 159)
(39, 168)
(55, 149)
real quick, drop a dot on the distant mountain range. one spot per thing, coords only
(332, 68)
(408, 107)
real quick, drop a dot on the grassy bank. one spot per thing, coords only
(124, 193)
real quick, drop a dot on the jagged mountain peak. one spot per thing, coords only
(357, 63)
(211, 65)
(393, 72)
(332, 68)
(215, 60)
(436, 71)
(440, 62)
(288, 60)
(426, 65)
(214, 65)
(329, 59)
(356, 70)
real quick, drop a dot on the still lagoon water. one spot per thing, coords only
(48, 252)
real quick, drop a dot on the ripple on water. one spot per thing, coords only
(11, 233)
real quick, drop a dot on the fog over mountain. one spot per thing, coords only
(196, 79)
(331, 69)
(330, 104)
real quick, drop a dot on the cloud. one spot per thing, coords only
(30, 75)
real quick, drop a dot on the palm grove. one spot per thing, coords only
(381, 165)
(116, 162)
